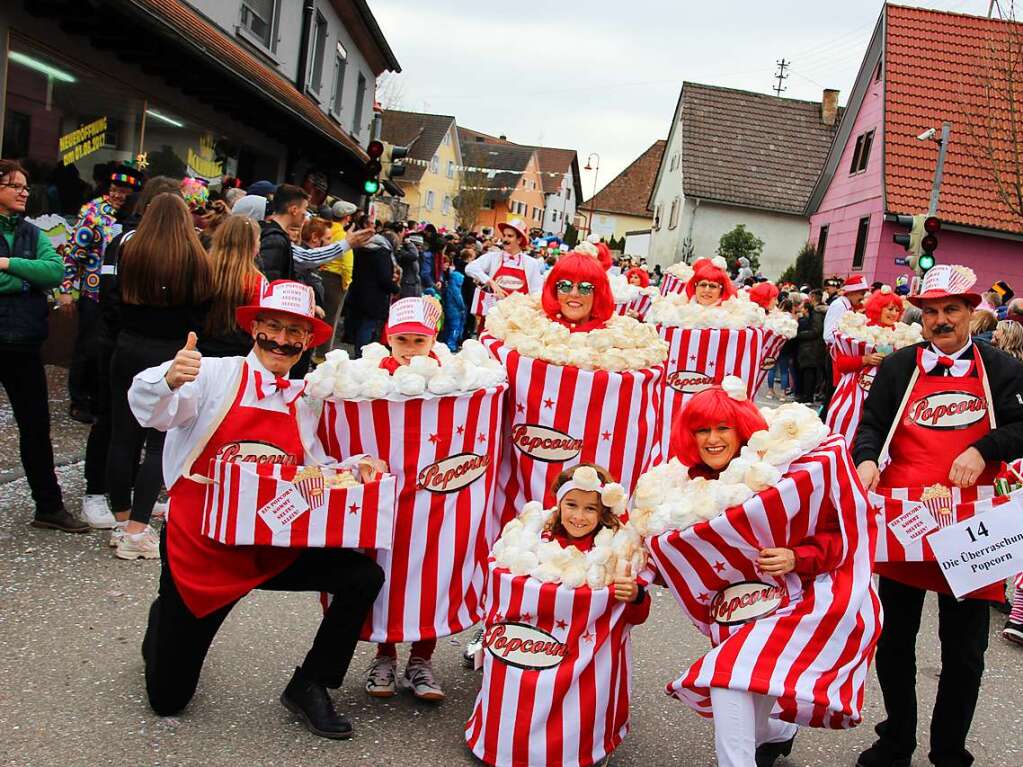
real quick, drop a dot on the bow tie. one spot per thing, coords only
(957, 368)
(267, 386)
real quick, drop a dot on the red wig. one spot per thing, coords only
(707, 409)
(579, 267)
(644, 278)
(763, 293)
(704, 269)
(604, 255)
(877, 302)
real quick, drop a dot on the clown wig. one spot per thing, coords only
(704, 269)
(877, 302)
(579, 267)
(604, 256)
(644, 278)
(707, 409)
(762, 294)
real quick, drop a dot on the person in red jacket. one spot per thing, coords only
(883, 308)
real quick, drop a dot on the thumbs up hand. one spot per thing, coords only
(625, 586)
(185, 366)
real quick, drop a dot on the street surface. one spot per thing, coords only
(72, 618)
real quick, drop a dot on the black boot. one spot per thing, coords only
(310, 702)
(60, 519)
(768, 753)
(880, 756)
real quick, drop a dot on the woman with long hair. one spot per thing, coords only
(235, 281)
(164, 283)
(1008, 336)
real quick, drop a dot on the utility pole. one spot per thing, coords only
(781, 77)
(939, 168)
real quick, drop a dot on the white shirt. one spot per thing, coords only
(836, 309)
(190, 413)
(485, 267)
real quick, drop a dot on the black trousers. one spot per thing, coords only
(176, 641)
(24, 379)
(99, 434)
(963, 633)
(807, 384)
(82, 383)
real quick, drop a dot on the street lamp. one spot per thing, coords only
(596, 171)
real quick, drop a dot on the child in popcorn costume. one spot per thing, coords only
(411, 332)
(245, 409)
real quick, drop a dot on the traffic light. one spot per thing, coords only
(371, 172)
(928, 243)
(910, 241)
(393, 156)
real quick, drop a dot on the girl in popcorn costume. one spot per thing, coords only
(562, 597)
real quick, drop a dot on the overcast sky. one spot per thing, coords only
(602, 76)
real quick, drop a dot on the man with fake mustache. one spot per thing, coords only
(945, 412)
(245, 409)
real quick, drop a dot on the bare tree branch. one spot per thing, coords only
(472, 193)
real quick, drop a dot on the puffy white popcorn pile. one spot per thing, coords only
(523, 550)
(682, 270)
(854, 325)
(677, 310)
(624, 291)
(781, 323)
(666, 498)
(622, 344)
(341, 377)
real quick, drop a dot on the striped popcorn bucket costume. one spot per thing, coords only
(846, 406)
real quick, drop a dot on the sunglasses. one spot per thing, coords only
(565, 287)
(709, 285)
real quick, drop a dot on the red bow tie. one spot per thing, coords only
(945, 362)
(267, 386)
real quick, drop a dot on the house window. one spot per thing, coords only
(568, 193)
(360, 97)
(488, 204)
(429, 200)
(861, 242)
(822, 241)
(451, 168)
(435, 164)
(536, 214)
(258, 20)
(554, 216)
(447, 139)
(340, 65)
(877, 72)
(657, 218)
(862, 152)
(446, 206)
(673, 215)
(319, 47)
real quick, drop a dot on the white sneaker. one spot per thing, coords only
(160, 511)
(96, 513)
(380, 677)
(418, 677)
(144, 545)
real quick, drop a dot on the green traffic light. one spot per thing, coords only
(371, 186)
(926, 262)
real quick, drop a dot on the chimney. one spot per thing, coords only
(503, 137)
(829, 106)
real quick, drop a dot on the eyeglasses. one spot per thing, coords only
(565, 287)
(709, 285)
(290, 331)
(19, 189)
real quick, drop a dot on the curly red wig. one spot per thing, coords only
(579, 267)
(704, 269)
(644, 278)
(874, 305)
(763, 293)
(604, 255)
(709, 408)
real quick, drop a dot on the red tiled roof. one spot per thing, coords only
(629, 191)
(192, 27)
(553, 160)
(935, 66)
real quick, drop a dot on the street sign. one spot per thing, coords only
(901, 261)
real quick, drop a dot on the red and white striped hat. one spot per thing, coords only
(414, 315)
(285, 297)
(947, 281)
(854, 283)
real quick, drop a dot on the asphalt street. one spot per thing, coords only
(72, 617)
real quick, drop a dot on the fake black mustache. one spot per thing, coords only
(289, 350)
(942, 329)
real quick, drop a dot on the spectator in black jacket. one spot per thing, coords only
(275, 256)
(810, 349)
(374, 282)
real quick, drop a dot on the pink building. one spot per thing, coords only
(922, 68)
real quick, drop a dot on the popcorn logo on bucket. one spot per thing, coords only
(255, 452)
(948, 410)
(768, 363)
(690, 381)
(453, 473)
(866, 380)
(544, 443)
(523, 646)
(745, 601)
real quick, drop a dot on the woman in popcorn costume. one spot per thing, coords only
(729, 452)
(710, 284)
(577, 293)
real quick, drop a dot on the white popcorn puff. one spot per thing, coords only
(734, 387)
(374, 352)
(675, 309)
(586, 478)
(854, 325)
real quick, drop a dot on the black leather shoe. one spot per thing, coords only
(60, 519)
(768, 753)
(311, 703)
(81, 414)
(879, 756)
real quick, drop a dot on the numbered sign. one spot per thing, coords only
(980, 551)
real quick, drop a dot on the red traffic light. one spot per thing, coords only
(929, 243)
(932, 225)
(375, 149)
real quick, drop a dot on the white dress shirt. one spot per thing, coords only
(485, 267)
(960, 367)
(836, 309)
(191, 413)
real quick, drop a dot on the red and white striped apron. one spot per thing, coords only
(672, 284)
(510, 276)
(851, 391)
(808, 645)
(443, 453)
(561, 416)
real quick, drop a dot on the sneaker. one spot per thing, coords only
(116, 534)
(418, 678)
(471, 648)
(1013, 632)
(144, 545)
(380, 677)
(160, 511)
(61, 519)
(96, 513)
(769, 753)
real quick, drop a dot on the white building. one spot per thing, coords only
(737, 157)
(562, 187)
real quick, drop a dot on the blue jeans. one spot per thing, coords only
(366, 332)
(781, 370)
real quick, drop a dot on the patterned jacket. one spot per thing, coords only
(83, 250)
